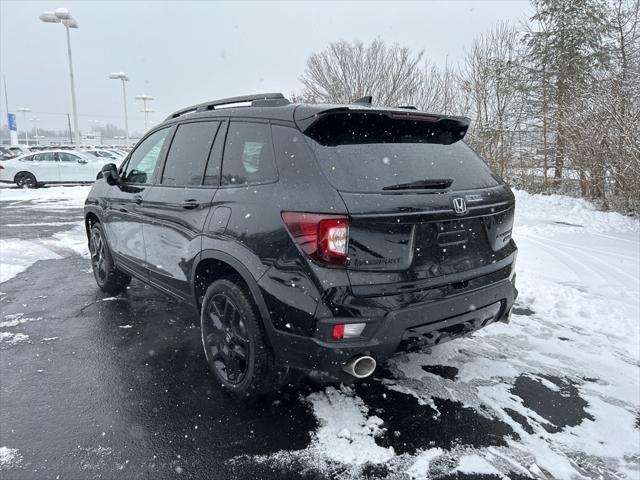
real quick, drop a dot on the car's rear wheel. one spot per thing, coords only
(26, 180)
(234, 340)
(108, 277)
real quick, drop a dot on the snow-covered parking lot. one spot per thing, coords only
(95, 387)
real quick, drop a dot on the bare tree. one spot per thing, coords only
(439, 90)
(492, 79)
(345, 71)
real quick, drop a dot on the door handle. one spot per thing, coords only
(190, 204)
(137, 199)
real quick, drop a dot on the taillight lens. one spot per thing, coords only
(322, 237)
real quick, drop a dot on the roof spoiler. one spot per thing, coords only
(458, 126)
(256, 100)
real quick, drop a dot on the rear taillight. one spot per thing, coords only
(322, 237)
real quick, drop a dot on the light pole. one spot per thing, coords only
(62, 15)
(145, 110)
(123, 76)
(24, 111)
(35, 121)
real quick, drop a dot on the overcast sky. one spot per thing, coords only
(189, 52)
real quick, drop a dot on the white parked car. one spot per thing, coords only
(51, 166)
(106, 154)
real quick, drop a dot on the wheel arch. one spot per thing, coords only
(23, 172)
(89, 220)
(203, 274)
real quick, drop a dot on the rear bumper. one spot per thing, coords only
(419, 325)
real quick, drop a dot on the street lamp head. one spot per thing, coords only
(144, 97)
(49, 17)
(70, 23)
(23, 109)
(119, 76)
(62, 13)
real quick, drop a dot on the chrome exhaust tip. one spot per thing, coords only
(360, 366)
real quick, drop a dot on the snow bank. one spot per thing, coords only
(544, 213)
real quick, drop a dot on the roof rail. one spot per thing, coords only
(201, 107)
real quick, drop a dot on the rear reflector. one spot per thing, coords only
(352, 330)
(322, 237)
(343, 331)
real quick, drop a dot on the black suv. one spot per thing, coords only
(312, 237)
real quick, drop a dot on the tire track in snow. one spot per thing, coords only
(582, 252)
(571, 261)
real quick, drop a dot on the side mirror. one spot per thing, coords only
(82, 160)
(110, 174)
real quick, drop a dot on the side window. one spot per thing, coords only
(144, 158)
(67, 157)
(212, 174)
(45, 157)
(248, 154)
(188, 153)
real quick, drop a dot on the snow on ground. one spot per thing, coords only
(53, 197)
(9, 458)
(575, 340)
(16, 255)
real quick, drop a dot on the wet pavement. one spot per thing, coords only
(117, 387)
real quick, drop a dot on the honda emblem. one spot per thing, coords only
(459, 205)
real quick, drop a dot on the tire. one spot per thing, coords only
(234, 340)
(108, 277)
(26, 180)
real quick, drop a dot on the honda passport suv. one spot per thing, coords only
(309, 237)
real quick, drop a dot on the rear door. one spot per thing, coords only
(74, 168)
(176, 208)
(45, 167)
(423, 206)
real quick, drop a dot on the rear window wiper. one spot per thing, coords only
(435, 184)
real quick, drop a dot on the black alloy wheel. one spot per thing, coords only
(98, 256)
(226, 337)
(107, 275)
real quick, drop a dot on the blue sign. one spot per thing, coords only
(11, 118)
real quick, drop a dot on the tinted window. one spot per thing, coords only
(144, 158)
(248, 154)
(367, 152)
(293, 155)
(188, 153)
(212, 175)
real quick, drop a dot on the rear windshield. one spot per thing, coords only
(368, 152)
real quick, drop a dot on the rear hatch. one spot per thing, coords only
(424, 208)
